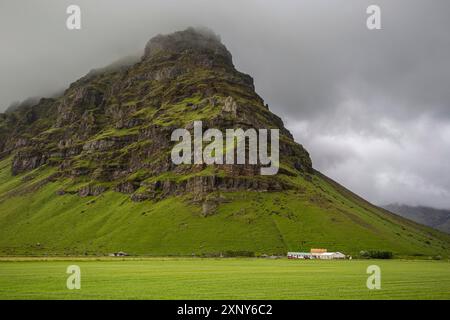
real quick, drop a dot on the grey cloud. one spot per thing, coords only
(408, 165)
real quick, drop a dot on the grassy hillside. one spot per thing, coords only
(36, 220)
(185, 278)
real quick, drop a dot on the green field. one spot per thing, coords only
(231, 278)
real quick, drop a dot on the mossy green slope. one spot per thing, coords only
(34, 220)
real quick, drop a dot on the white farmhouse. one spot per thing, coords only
(331, 255)
(299, 255)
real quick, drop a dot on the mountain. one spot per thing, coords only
(90, 171)
(435, 218)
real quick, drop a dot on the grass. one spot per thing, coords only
(181, 113)
(230, 278)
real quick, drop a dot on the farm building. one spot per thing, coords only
(118, 254)
(316, 254)
(331, 255)
(318, 251)
(299, 255)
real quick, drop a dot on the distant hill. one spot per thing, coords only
(436, 218)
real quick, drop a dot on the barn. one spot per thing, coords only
(299, 255)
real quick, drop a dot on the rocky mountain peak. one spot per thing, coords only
(192, 41)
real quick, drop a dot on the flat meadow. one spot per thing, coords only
(221, 278)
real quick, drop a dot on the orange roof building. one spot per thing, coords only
(318, 251)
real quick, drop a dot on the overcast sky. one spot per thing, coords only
(372, 107)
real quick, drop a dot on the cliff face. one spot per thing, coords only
(112, 127)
